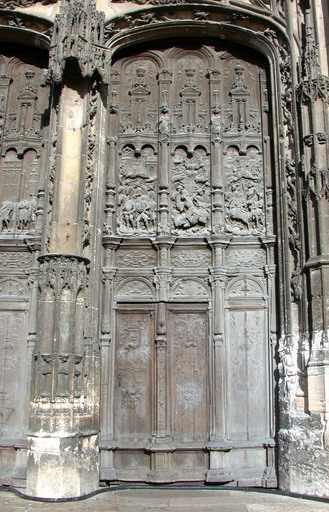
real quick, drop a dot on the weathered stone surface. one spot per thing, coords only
(175, 326)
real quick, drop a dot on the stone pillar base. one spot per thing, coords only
(62, 467)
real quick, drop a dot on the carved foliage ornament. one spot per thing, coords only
(151, 16)
(311, 90)
(63, 272)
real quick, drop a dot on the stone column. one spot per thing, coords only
(164, 128)
(63, 451)
(313, 95)
(218, 445)
(109, 227)
(106, 421)
(160, 449)
(64, 423)
(216, 154)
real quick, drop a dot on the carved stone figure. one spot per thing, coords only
(245, 193)
(136, 193)
(190, 195)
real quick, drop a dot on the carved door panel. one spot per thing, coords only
(188, 393)
(188, 343)
(12, 373)
(161, 395)
(133, 388)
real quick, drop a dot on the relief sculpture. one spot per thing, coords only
(189, 332)
(17, 216)
(23, 112)
(11, 354)
(190, 193)
(132, 374)
(136, 192)
(244, 194)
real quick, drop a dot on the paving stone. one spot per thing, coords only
(146, 500)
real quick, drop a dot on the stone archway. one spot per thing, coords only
(190, 396)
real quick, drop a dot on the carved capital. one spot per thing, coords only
(270, 271)
(310, 90)
(5, 80)
(33, 274)
(218, 277)
(218, 340)
(59, 272)
(108, 275)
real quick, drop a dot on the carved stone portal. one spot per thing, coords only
(189, 180)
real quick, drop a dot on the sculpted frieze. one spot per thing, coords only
(191, 258)
(12, 4)
(135, 258)
(213, 14)
(13, 260)
(17, 217)
(186, 150)
(246, 257)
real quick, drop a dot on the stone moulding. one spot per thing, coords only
(12, 4)
(215, 17)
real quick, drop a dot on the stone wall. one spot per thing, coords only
(140, 171)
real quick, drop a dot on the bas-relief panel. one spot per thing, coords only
(22, 111)
(247, 374)
(183, 129)
(136, 192)
(135, 258)
(190, 192)
(190, 393)
(133, 376)
(12, 371)
(191, 258)
(14, 260)
(245, 257)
